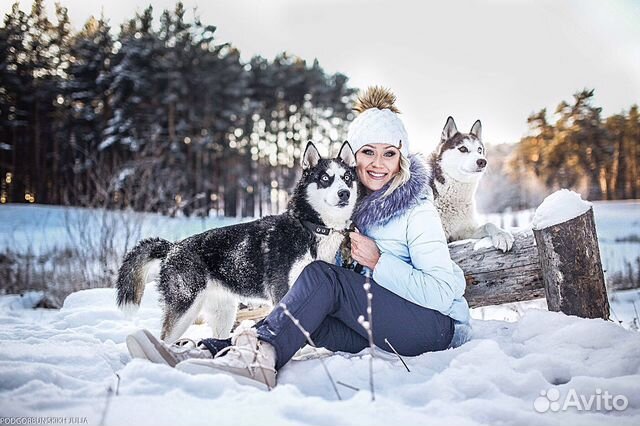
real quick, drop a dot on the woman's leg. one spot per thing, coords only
(335, 335)
(324, 290)
(332, 334)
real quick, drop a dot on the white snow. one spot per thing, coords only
(110, 140)
(559, 207)
(122, 177)
(40, 228)
(67, 363)
(482, 243)
(27, 300)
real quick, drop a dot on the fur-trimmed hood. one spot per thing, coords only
(376, 210)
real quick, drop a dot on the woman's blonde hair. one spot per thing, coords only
(401, 177)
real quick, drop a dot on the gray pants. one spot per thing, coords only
(328, 299)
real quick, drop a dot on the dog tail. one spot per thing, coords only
(132, 275)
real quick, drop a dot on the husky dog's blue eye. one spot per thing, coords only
(347, 177)
(325, 178)
(479, 150)
(463, 149)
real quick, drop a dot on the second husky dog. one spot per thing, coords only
(213, 270)
(457, 164)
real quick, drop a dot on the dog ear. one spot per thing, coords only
(476, 129)
(449, 130)
(346, 154)
(311, 156)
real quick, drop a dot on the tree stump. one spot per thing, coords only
(572, 269)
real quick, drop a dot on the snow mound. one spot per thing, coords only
(28, 300)
(559, 207)
(71, 362)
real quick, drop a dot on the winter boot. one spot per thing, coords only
(143, 344)
(249, 361)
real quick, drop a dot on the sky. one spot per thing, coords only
(493, 60)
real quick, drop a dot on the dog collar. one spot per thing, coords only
(318, 229)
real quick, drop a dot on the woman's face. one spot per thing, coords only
(377, 164)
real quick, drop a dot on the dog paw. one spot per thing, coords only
(503, 241)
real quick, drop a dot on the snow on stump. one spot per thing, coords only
(565, 233)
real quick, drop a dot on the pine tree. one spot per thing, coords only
(632, 153)
(581, 150)
(86, 91)
(38, 45)
(168, 120)
(580, 145)
(616, 127)
(5, 104)
(59, 132)
(132, 86)
(16, 86)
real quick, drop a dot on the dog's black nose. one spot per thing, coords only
(343, 194)
(481, 162)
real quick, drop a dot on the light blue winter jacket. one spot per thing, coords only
(414, 257)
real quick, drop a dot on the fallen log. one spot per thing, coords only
(494, 277)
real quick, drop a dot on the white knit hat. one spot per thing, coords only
(378, 121)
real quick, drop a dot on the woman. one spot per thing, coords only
(417, 304)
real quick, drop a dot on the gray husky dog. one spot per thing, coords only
(457, 164)
(212, 271)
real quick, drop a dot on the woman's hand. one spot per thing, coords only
(364, 250)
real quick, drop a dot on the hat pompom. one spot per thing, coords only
(376, 97)
(378, 121)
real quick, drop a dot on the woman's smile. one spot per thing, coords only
(376, 175)
(377, 164)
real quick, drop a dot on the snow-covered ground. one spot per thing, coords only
(41, 228)
(61, 249)
(73, 363)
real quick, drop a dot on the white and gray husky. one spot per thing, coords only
(457, 164)
(212, 271)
